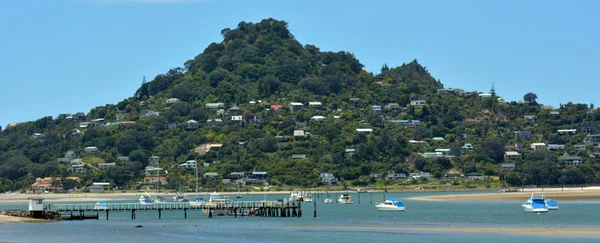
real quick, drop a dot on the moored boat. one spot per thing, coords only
(345, 198)
(146, 199)
(391, 204)
(535, 204)
(101, 205)
(551, 204)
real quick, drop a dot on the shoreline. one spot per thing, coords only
(4, 219)
(577, 193)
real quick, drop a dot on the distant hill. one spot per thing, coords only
(260, 101)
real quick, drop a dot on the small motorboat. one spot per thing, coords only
(345, 199)
(535, 204)
(101, 205)
(551, 204)
(391, 204)
(180, 198)
(146, 199)
(327, 201)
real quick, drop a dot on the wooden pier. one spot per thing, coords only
(234, 208)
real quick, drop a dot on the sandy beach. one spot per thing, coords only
(10, 219)
(554, 193)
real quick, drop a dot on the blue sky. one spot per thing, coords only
(65, 56)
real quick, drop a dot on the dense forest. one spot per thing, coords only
(233, 108)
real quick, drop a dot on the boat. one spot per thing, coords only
(345, 199)
(159, 199)
(535, 204)
(146, 199)
(300, 196)
(327, 201)
(219, 206)
(391, 204)
(101, 205)
(551, 204)
(180, 198)
(198, 202)
(239, 195)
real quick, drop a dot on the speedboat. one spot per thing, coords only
(101, 205)
(551, 204)
(159, 199)
(345, 199)
(146, 199)
(535, 204)
(391, 204)
(198, 202)
(180, 198)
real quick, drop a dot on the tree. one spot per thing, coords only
(530, 98)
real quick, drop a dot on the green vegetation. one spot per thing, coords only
(263, 63)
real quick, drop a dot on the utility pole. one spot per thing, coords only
(196, 177)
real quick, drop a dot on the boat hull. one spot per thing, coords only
(388, 208)
(535, 210)
(552, 207)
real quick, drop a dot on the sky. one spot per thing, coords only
(66, 56)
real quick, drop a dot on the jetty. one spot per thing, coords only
(235, 208)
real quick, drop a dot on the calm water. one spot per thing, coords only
(334, 223)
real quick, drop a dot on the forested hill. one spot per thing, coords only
(233, 108)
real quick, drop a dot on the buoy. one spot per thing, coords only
(196, 225)
(139, 226)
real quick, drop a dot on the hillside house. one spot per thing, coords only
(149, 113)
(276, 107)
(593, 139)
(523, 134)
(393, 106)
(259, 175)
(211, 175)
(236, 120)
(589, 127)
(571, 160)
(392, 175)
(579, 147)
(315, 105)
(354, 102)
(538, 146)
(154, 180)
(348, 153)
(215, 106)
(553, 114)
(567, 132)
(234, 110)
(417, 103)
(556, 147)
(105, 166)
(432, 155)
(154, 160)
(328, 178)
(376, 108)
(530, 118)
(191, 125)
(295, 106)
(299, 134)
(510, 155)
(364, 130)
(172, 100)
(213, 122)
(317, 118)
(298, 156)
(507, 166)
(445, 152)
(91, 149)
(152, 170)
(468, 147)
(188, 165)
(121, 116)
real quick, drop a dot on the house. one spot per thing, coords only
(445, 152)
(376, 108)
(567, 132)
(172, 100)
(298, 156)
(91, 149)
(393, 106)
(317, 118)
(579, 147)
(144, 103)
(415, 123)
(154, 160)
(328, 178)
(553, 114)
(364, 130)
(213, 122)
(401, 122)
(530, 118)
(523, 134)
(468, 147)
(376, 176)
(475, 176)
(215, 106)
(420, 142)
(349, 152)
(571, 160)
(254, 120)
(395, 176)
(432, 154)
(37, 135)
(437, 139)
(71, 155)
(276, 107)
(589, 127)
(105, 166)
(211, 175)
(336, 118)
(354, 102)
(299, 134)
(485, 96)
(151, 170)
(556, 147)
(420, 175)
(234, 110)
(84, 125)
(593, 139)
(153, 180)
(148, 113)
(188, 165)
(123, 158)
(508, 155)
(538, 146)
(512, 147)
(259, 175)
(294, 106)
(121, 116)
(417, 103)
(451, 91)
(190, 125)
(507, 166)
(315, 105)
(220, 112)
(281, 139)
(78, 168)
(78, 117)
(236, 120)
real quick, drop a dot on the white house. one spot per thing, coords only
(318, 118)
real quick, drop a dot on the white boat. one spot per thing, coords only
(180, 198)
(391, 204)
(300, 196)
(327, 201)
(345, 199)
(146, 199)
(535, 204)
(159, 199)
(551, 204)
(198, 202)
(219, 206)
(101, 205)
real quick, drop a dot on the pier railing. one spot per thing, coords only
(170, 206)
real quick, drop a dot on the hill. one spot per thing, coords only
(259, 101)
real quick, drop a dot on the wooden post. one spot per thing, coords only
(300, 209)
(132, 214)
(81, 214)
(210, 213)
(235, 212)
(315, 210)
(371, 197)
(159, 213)
(97, 214)
(106, 214)
(358, 197)
(336, 201)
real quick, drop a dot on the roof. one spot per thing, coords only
(438, 139)
(259, 173)
(296, 104)
(538, 144)
(364, 130)
(570, 157)
(314, 103)
(191, 121)
(298, 132)
(512, 153)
